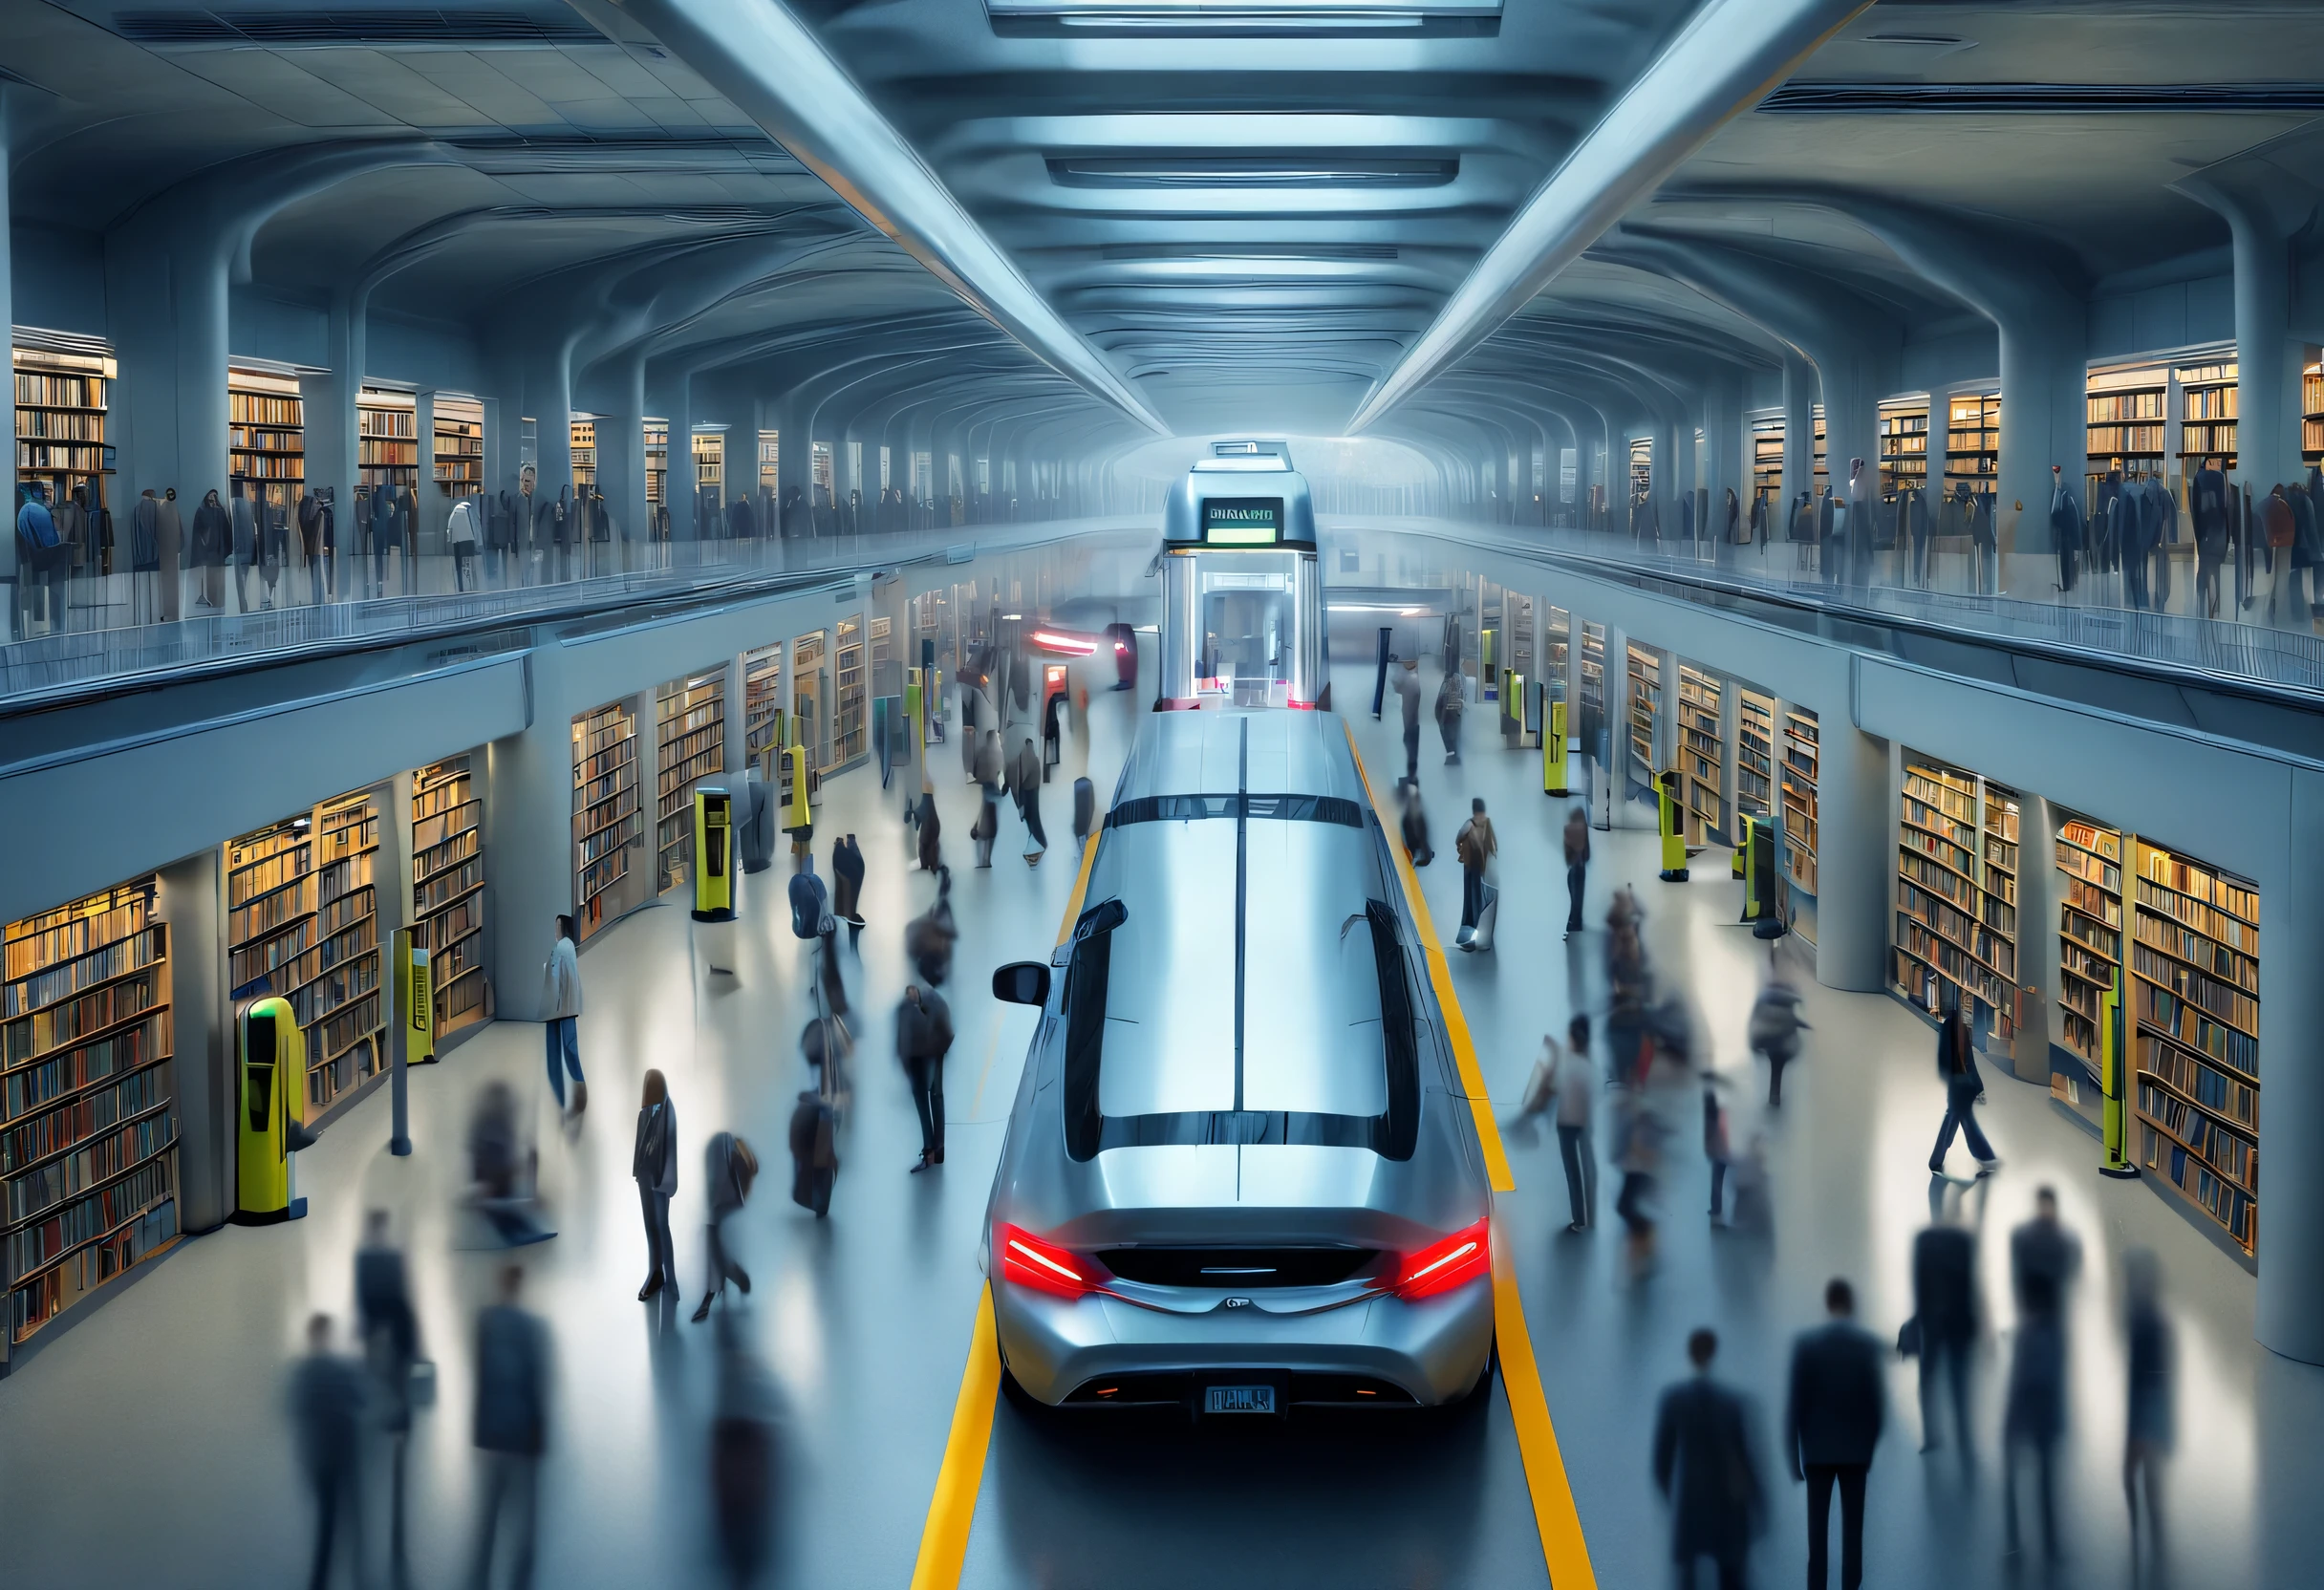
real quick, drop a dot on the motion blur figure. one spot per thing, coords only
(929, 937)
(1944, 1315)
(325, 1406)
(728, 1170)
(923, 1038)
(1715, 1144)
(2152, 1426)
(1831, 1427)
(391, 1351)
(501, 1168)
(744, 1456)
(1629, 986)
(930, 834)
(1964, 1086)
(1412, 823)
(1774, 1032)
(1638, 1149)
(1704, 1468)
(1576, 845)
(1407, 699)
(2044, 1258)
(1451, 702)
(1576, 1081)
(510, 1428)
(848, 886)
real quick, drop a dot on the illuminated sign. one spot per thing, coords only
(1242, 520)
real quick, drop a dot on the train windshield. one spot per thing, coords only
(1250, 624)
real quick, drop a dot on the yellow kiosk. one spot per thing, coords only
(1669, 817)
(714, 854)
(1762, 878)
(2112, 1078)
(1553, 746)
(270, 1115)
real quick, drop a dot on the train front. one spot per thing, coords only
(1243, 611)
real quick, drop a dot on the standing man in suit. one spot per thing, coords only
(1702, 1442)
(510, 1427)
(1944, 1308)
(1831, 1425)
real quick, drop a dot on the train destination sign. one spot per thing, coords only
(1242, 520)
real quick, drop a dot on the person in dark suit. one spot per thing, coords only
(1964, 1086)
(2044, 1258)
(326, 1397)
(1831, 1425)
(653, 1163)
(511, 1425)
(924, 1037)
(391, 1346)
(1945, 1314)
(1702, 1443)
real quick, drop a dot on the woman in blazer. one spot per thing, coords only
(653, 1163)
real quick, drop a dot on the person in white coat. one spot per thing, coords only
(460, 531)
(561, 1010)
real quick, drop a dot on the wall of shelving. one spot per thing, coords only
(1956, 903)
(302, 922)
(1702, 755)
(1754, 755)
(266, 434)
(1801, 761)
(690, 745)
(1972, 440)
(2207, 410)
(88, 1128)
(2311, 413)
(62, 399)
(850, 695)
(448, 890)
(1646, 705)
(457, 461)
(762, 702)
(387, 438)
(607, 822)
(1904, 443)
(1593, 724)
(2128, 428)
(2090, 953)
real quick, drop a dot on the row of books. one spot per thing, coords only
(69, 978)
(2234, 1157)
(450, 885)
(36, 1191)
(348, 875)
(1943, 851)
(1926, 873)
(1950, 799)
(2230, 926)
(604, 786)
(2095, 965)
(2079, 863)
(349, 1022)
(1949, 958)
(330, 994)
(2207, 955)
(2229, 1005)
(51, 426)
(432, 828)
(2229, 1096)
(446, 791)
(27, 1090)
(252, 408)
(246, 964)
(65, 457)
(84, 1117)
(2091, 901)
(2184, 1025)
(306, 979)
(31, 1036)
(1937, 820)
(42, 1242)
(336, 916)
(597, 876)
(608, 839)
(37, 390)
(101, 1261)
(2231, 1206)
(260, 869)
(447, 856)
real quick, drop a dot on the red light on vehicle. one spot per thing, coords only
(1044, 1266)
(1441, 1266)
(1056, 642)
(1304, 706)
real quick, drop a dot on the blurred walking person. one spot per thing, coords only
(1475, 845)
(1964, 1086)
(654, 1166)
(1715, 1143)
(1576, 1081)
(561, 1011)
(929, 937)
(1577, 866)
(848, 886)
(1831, 1426)
(744, 1456)
(2044, 1258)
(1407, 698)
(923, 1038)
(1028, 801)
(391, 1351)
(510, 1428)
(2152, 1426)
(326, 1405)
(1638, 1149)
(1774, 1032)
(1452, 701)
(814, 1153)
(1944, 1321)
(932, 829)
(728, 1170)
(1414, 825)
(1704, 1468)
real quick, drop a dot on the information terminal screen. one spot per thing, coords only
(1242, 520)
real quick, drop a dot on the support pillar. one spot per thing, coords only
(2290, 1318)
(621, 455)
(795, 468)
(1853, 864)
(202, 1068)
(549, 391)
(529, 837)
(1731, 747)
(1798, 436)
(2028, 1058)
(14, 605)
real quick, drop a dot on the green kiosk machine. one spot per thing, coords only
(714, 877)
(1668, 817)
(268, 1123)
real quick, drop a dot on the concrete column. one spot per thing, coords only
(1614, 766)
(201, 1069)
(2037, 949)
(795, 466)
(1666, 721)
(621, 454)
(1854, 868)
(2045, 419)
(529, 835)
(2291, 1250)
(548, 390)
(1799, 436)
(1731, 744)
(432, 508)
(2268, 366)
(14, 605)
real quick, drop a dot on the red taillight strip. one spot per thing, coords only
(1016, 1246)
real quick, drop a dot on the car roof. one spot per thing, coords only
(1291, 752)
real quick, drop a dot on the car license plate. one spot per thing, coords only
(1239, 1399)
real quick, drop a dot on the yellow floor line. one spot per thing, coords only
(991, 1050)
(1563, 1549)
(944, 1541)
(953, 1509)
(1440, 977)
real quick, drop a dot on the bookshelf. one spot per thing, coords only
(2089, 940)
(88, 1128)
(458, 460)
(658, 465)
(762, 700)
(61, 404)
(2126, 422)
(770, 460)
(387, 438)
(848, 687)
(1701, 753)
(1956, 911)
(2194, 997)
(448, 890)
(1972, 440)
(1593, 687)
(2312, 414)
(1799, 818)
(1903, 445)
(266, 434)
(1766, 457)
(2206, 411)
(1642, 467)
(1645, 704)
(585, 454)
(690, 721)
(1557, 629)
(302, 923)
(1754, 756)
(606, 818)
(709, 457)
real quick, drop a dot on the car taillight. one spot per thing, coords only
(1440, 1266)
(1044, 1266)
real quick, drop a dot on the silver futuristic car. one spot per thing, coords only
(1240, 1174)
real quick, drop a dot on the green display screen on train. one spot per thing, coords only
(1242, 520)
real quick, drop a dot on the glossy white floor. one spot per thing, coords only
(146, 1444)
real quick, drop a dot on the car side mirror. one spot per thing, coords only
(1023, 983)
